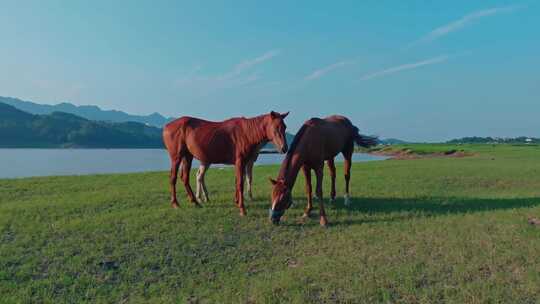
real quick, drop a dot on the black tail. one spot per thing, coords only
(364, 140)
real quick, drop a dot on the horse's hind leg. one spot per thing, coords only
(318, 191)
(347, 156)
(186, 167)
(175, 164)
(332, 168)
(309, 191)
(201, 187)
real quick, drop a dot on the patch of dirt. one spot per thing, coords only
(534, 221)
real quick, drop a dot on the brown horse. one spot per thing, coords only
(316, 141)
(232, 141)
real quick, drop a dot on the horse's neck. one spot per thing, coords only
(290, 168)
(255, 130)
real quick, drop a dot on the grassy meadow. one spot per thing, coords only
(418, 231)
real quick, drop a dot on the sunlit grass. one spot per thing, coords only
(429, 230)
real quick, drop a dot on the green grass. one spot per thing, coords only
(419, 231)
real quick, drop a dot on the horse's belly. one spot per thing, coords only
(330, 155)
(213, 157)
(210, 150)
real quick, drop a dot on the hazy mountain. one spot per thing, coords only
(88, 112)
(59, 129)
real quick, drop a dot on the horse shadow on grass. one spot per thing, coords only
(408, 208)
(382, 209)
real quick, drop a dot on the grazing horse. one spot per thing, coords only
(233, 141)
(316, 141)
(202, 192)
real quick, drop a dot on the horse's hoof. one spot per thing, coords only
(242, 213)
(323, 222)
(346, 200)
(174, 205)
(305, 215)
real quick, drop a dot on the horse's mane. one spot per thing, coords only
(297, 139)
(293, 147)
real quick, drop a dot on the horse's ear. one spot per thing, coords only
(284, 115)
(274, 114)
(272, 181)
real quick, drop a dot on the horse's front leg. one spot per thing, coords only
(309, 191)
(249, 178)
(201, 185)
(240, 171)
(318, 191)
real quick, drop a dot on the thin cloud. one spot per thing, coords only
(237, 76)
(322, 71)
(463, 22)
(405, 67)
(250, 63)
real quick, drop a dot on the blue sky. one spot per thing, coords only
(415, 70)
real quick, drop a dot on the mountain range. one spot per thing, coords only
(87, 111)
(19, 129)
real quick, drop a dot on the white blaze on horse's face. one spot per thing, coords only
(281, 200)
(276, 131)
(281, 196)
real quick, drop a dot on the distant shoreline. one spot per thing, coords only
(134, 148)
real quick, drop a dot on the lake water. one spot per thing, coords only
(16, 163)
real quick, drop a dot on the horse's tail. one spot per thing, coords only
(364, 140)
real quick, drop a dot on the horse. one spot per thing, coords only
(232, 141)
(317, 141)
(202, 192)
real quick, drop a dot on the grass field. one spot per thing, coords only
(419, 231)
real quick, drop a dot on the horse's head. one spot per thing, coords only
(281, 200)
(275, 130)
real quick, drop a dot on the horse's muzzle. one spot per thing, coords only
(275, 216)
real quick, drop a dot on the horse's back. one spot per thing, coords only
(335, 125)
(326, 137)
(174, 129)
(208, 141)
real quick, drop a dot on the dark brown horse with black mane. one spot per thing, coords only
(318, 140)
(233, 141)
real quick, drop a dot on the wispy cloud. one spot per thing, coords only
(250, 63)
(404, 67)
(239, 75)
(327, 69)
(463, 22)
